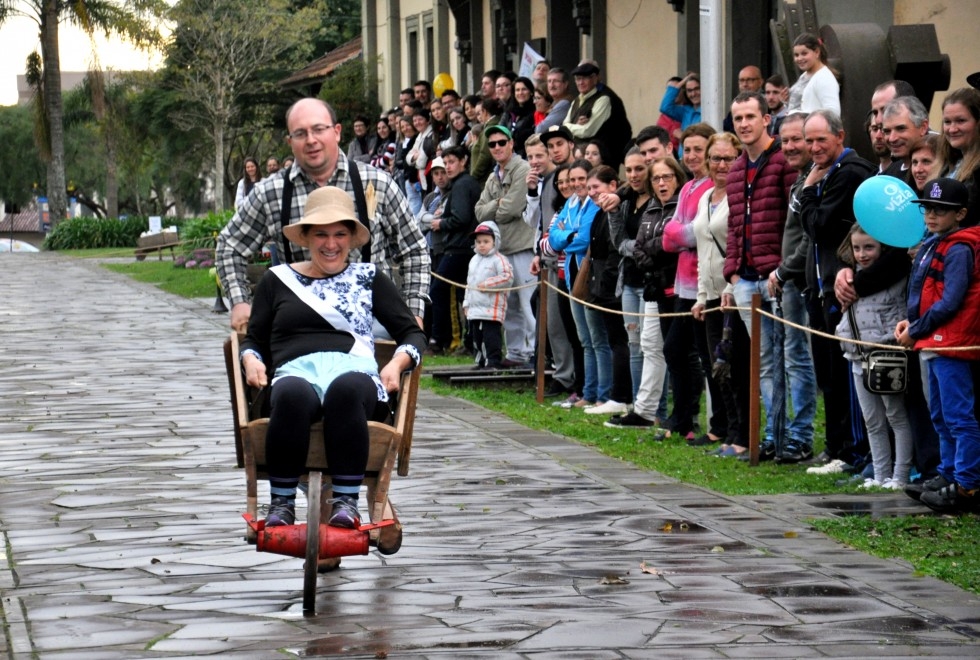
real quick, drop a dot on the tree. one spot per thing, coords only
(22, 166)
(217, 55)
(130, 19)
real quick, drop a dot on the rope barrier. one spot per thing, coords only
(619, 312)
(763, 312)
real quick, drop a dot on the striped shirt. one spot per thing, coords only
(396, 239)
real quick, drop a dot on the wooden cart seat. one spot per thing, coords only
(391, 442)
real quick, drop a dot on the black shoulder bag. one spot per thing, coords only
(883, 371)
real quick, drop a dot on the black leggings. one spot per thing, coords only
(350, 401)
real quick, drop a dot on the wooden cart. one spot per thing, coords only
(391, 445)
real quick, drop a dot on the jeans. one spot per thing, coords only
(571, 334)
(603, 354)
(414, 194)
(621, 381)
(519, 324)
(647, 400)
(743, 298)
(952, 402)
(589, 378)
(632, 301)
(799, 367)
(882, 412)
(561, 348)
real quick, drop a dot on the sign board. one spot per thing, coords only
(155, 224)
(529, 60)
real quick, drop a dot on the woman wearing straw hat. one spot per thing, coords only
(310, 337)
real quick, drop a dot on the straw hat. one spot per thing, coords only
(325, 206)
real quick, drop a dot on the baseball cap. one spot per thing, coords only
(944, 192)
(497, 128)
(556, 132)
(438, 162)
(484, 229)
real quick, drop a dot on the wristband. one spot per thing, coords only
(249, 351)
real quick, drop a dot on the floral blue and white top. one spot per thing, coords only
(320, 328)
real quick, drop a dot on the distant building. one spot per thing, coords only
(638, 45)
(69, 81)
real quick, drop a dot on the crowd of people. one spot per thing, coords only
(651, 276)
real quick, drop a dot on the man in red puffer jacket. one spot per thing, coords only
(758, 190)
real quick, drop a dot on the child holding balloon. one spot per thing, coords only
(943, 308)
(875, 317)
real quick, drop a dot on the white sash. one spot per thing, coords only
(362, 345)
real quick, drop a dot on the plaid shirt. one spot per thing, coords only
(395, 234)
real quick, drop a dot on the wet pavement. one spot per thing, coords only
(120, 511)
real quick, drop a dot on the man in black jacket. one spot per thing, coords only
(826, 212)
(455, 225)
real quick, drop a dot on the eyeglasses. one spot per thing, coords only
(692, 89)
(502, 85)
(496, 143)
(745, 80)
(717, 160)
(317, 131)
(657, 178)
(936, 210)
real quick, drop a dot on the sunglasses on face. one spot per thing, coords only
(497, 143)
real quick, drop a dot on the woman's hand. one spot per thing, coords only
(255, 374)
(698, 312)
(391, 374)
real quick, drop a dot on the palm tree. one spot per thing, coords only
(131, 19)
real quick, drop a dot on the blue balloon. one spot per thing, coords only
(884, 209)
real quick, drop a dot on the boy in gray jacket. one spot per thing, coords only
(484, 307)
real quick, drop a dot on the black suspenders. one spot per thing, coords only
(360, 202)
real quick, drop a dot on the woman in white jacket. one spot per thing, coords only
(711, 232)
(817, 88)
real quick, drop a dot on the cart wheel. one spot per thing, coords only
(312, 543)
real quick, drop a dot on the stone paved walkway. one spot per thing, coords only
(120, 508)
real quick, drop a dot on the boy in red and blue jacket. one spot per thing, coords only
(943, 313)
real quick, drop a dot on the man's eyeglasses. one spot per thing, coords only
(936, 210)
(717, 160)
(497, 143)
(657, 178)
(318, 131)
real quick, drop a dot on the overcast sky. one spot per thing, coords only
(19, 37)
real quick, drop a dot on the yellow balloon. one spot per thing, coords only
(442, 82)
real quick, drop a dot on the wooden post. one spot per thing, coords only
(755, 367)
(542, 333)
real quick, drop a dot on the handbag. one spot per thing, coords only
(883, 371)
(580, 287)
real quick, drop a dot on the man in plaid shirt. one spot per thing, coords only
(314, 136)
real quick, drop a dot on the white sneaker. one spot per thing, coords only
(835, 466)
(870, 483)
(610, 407)
(892, 484)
